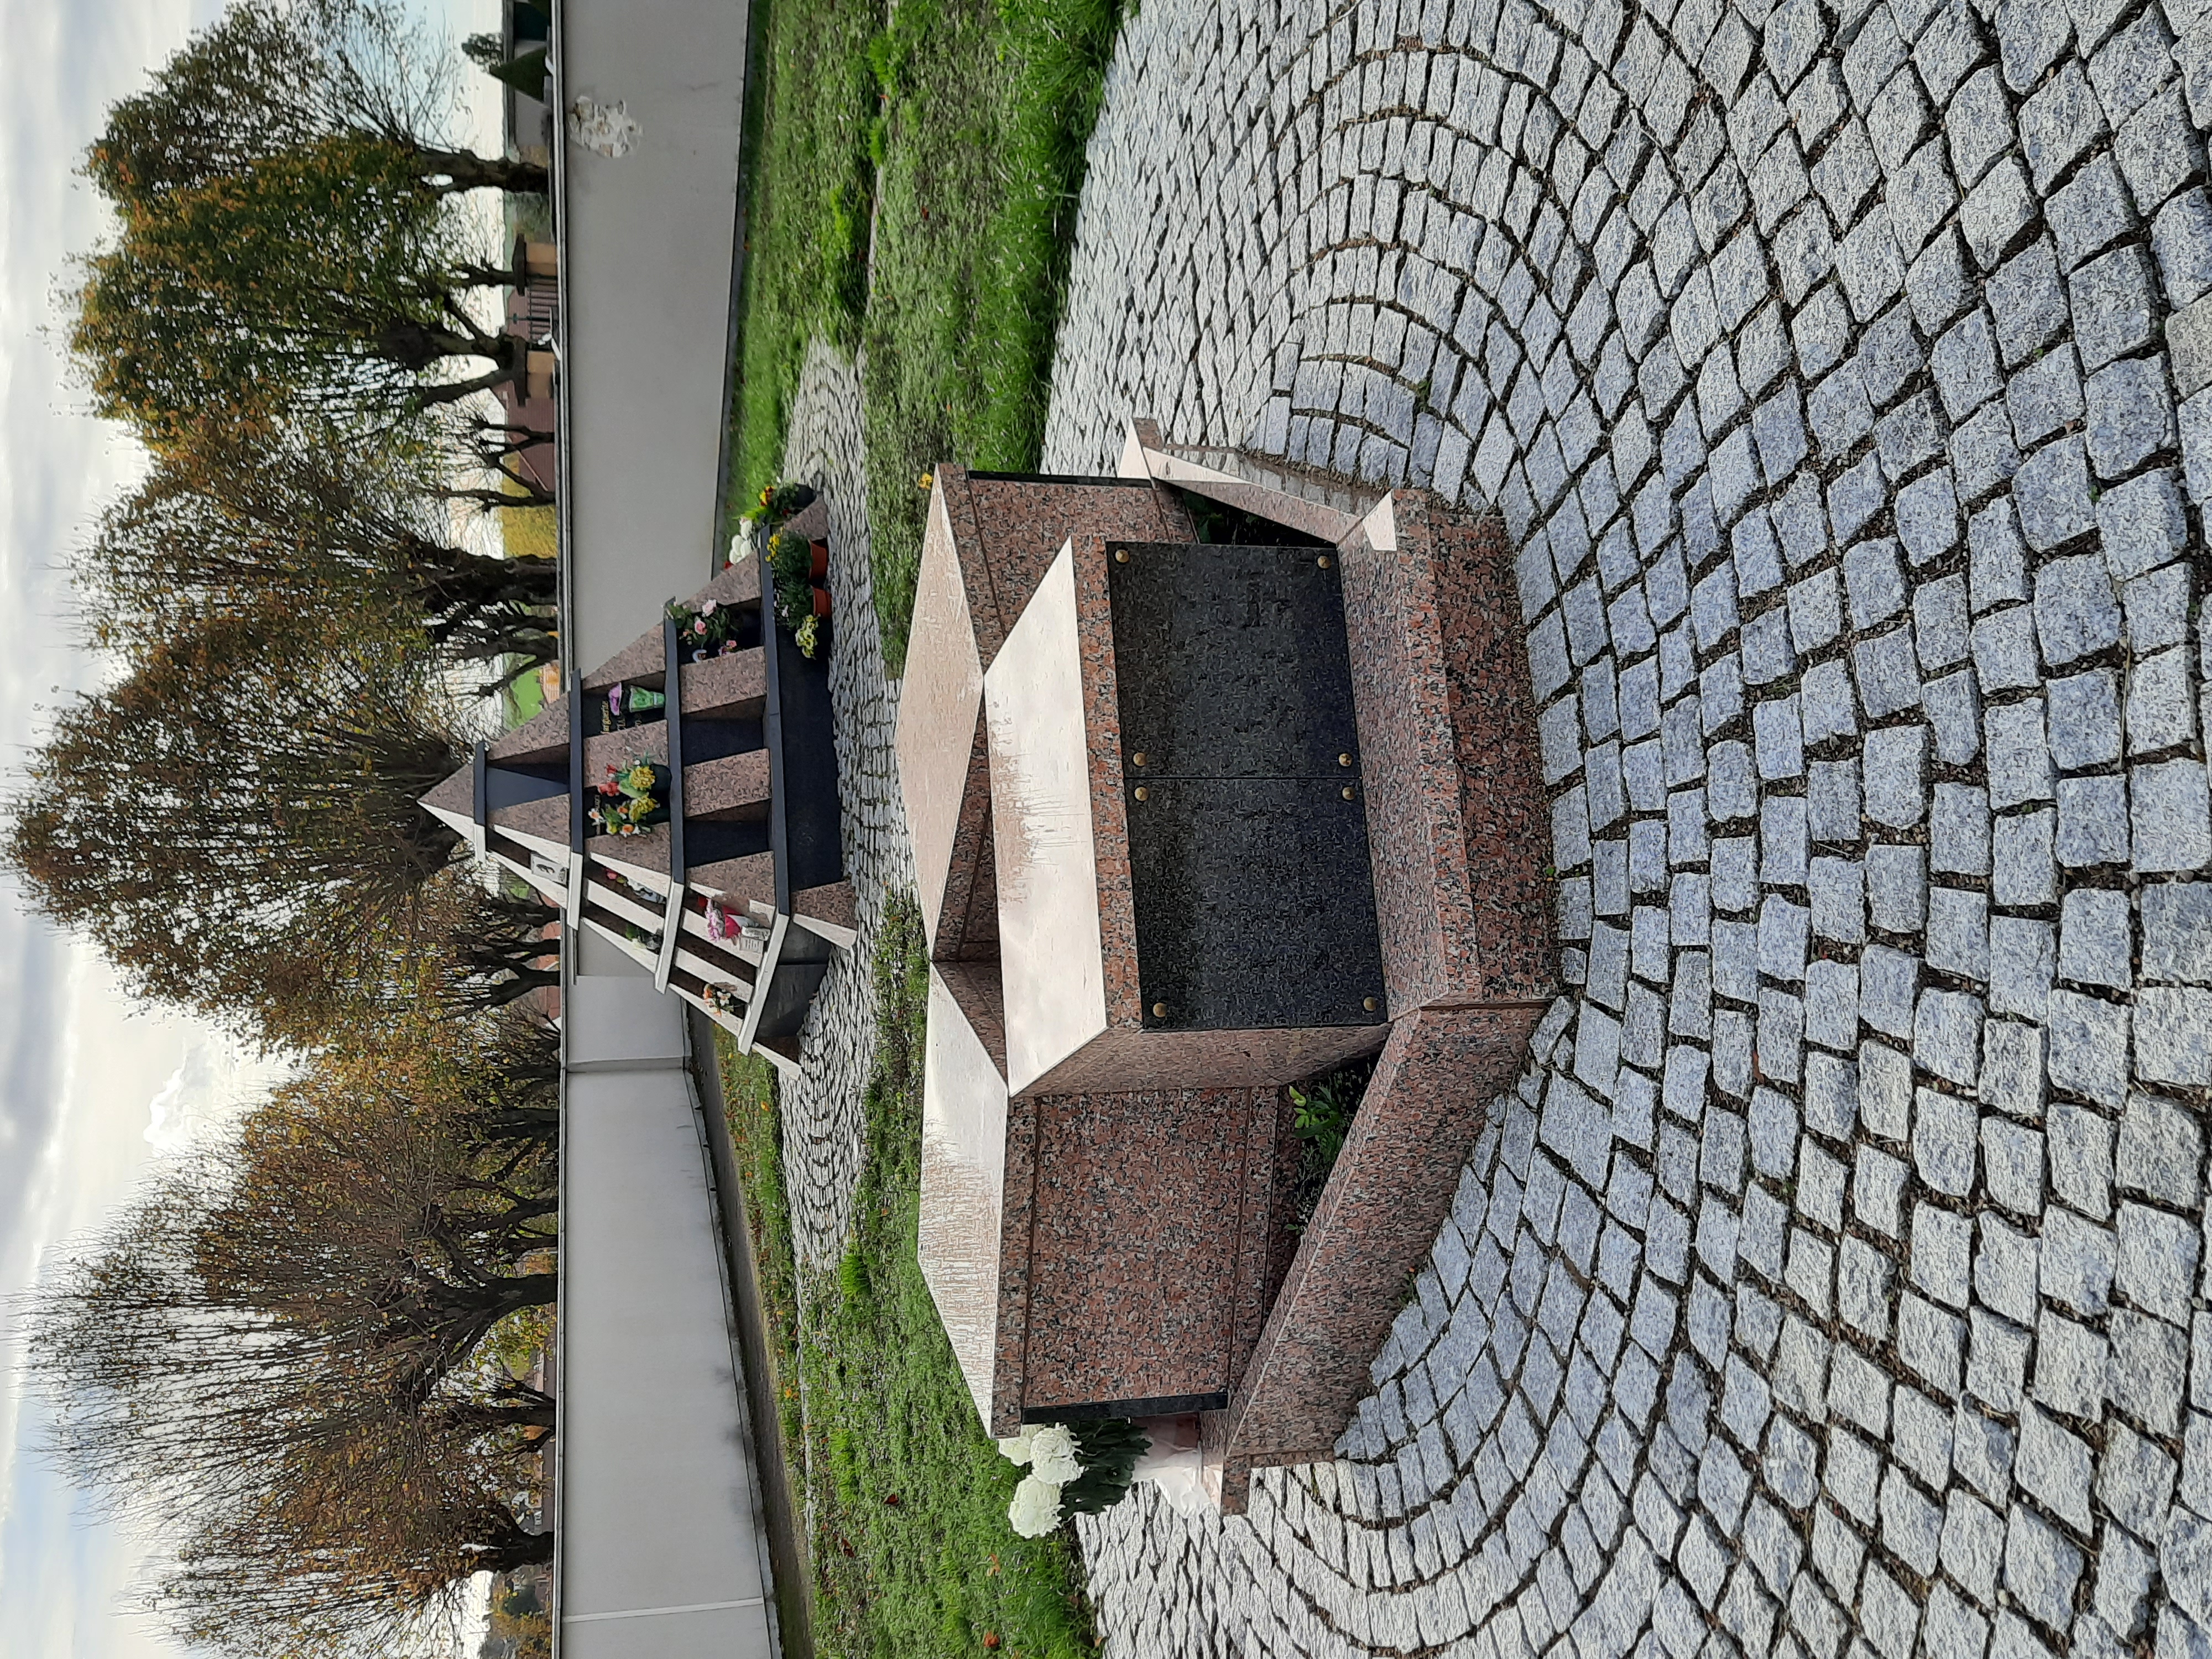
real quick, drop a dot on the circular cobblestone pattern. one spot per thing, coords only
(824, 1122)
(1834, 1284)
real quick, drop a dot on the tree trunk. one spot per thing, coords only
(536, 1413)
(414, 346)
(513, 1549)
(451, 580)
(473, 275)
(531, 495)
(466, 170)
(454, 392)
(521, 1123)
(487, 995)
(495, 438)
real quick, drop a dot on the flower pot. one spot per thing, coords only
(821, 561)
(821, 601)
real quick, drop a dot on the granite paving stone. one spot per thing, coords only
(1868, 352)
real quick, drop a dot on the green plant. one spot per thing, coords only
(790, 561)
(778, 501)
(1109, 1451)
(1322, 1111)
(887, 57)
(853, 1278)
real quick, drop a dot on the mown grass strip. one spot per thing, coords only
(807, 191)
(969, 151)
(912, 1554)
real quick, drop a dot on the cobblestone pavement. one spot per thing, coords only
(824, 1124)
(1835, 1282)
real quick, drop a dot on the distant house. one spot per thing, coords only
(529, 123)
(533, 312)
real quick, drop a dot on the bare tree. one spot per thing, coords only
(277, 1348)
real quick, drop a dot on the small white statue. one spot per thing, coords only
(604, 129)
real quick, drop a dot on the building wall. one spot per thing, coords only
(661, 1547)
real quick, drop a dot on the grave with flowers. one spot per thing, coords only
(681, 800)
(1218, 776)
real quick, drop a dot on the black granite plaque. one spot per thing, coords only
(1231, 661)
(1255, 905)
(801, 740)
(1253, 896)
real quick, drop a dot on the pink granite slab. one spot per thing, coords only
(987, 542)
(455, 794)
(1008, 531)
(541, 739)
(619, 748)
(1017, 1217)
(547, 819)
(734, 687)
(646, 850)
(943, 761)
(1129, 1057)
(1109, 815)
(810, 523)
(831, 903)
(1390, 1190)
(741, 881)
(1271, 1153)
(979, 933)
(734, 786)
(645, 659)
(1456, 806)
(1139, 1203)
(959, 1244)
(973, 984)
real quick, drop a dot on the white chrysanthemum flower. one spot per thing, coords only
(1052, 1455)
(1016, 1450)
(1036, 1509)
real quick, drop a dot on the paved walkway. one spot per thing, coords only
(825, 1125)
(1835, 1285)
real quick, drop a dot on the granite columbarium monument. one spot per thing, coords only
(1218, 777)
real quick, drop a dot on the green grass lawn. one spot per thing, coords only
(911, 1551)
(957, 131)
(521, 700)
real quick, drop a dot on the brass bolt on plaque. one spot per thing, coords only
(1143, 793)
(1121, 555)
(1159, 1010)
(1344, 760)
(1369, 1005)
(1137, 759)
(1322, 562)
(1347, 792)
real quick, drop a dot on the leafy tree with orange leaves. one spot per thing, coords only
(273, 76)
(324, 280)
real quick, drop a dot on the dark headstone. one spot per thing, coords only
(1247, 847)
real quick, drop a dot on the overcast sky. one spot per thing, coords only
(90, 1086)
